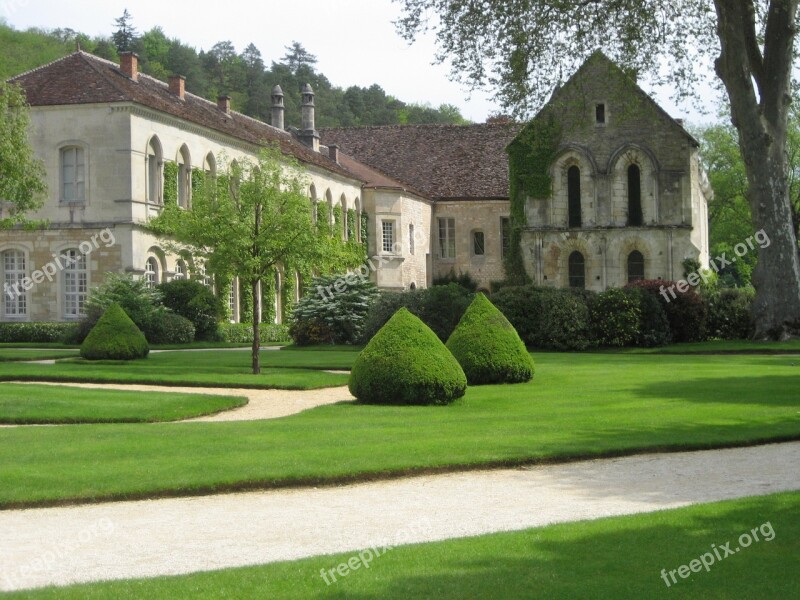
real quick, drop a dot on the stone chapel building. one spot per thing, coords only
(628, 195)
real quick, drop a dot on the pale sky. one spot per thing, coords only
(354, 40)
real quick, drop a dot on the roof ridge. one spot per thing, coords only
(44, 66)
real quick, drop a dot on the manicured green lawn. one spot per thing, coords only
(723, 346)
(17, 354)
(21, 403)
(216, 368)
(578, 405)
(615, 559)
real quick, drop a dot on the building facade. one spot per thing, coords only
(627, 200)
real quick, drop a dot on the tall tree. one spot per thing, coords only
(296, 56)
(22, 183)
(125, 34)
(247, 223)
(513, 45)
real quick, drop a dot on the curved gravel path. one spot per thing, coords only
(261, 404)
(58, 546)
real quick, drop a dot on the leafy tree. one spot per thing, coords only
(296, 56)
(22, 183)
(513, 45)
(125, 35)
(248, 223)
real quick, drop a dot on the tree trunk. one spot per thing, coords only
(758, 86)
(256, 323)
(776, 309)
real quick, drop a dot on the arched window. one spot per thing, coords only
(15, 298)
(574, 196)
(298, 286)
(413, 286)
(184, 177)
(357, 224)
(73, 174)
(76, 283)
(151, 272)
(180, 269)
(278, 298)
(577, 270)
(634, 196)
(343, 206)
(155, 172)
(635, 266)
(312, 193)
(210, 166)
(329, 199)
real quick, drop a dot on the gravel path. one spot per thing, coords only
(262, 404)
(160, 537)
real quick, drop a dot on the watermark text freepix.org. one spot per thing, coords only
(701, 276)
(718, 553)
(59, 263)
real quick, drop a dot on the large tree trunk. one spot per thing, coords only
(256, 323)
(760, 115)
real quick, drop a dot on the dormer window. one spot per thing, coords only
(600, 113)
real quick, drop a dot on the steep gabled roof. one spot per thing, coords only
(598, 60)
(82, 78)
(441, 161)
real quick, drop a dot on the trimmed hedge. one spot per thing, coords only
(616, 317)
(405, 363)
(242, 333)
(729, 313)
(37, 332)
(686, 312)
(488, 347)
(440, 307)
(547, 318)
(114, 337)
(194, 301)
(169, 328)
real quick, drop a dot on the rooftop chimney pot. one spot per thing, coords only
(177, 85)
(333, 153)
(224, 104)
(277, 107)
(129, 65)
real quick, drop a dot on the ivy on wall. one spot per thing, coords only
(198, 180)
(351, 224)
(364, 230)
(323, 218)
(338, 226)
(529, 158)
(170, 184)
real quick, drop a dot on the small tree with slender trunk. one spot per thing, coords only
(247, 223)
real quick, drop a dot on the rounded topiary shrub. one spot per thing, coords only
(405, 363)
(169, 328)
(114, 337)
(488, 347)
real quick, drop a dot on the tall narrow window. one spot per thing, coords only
(15, 299)
(600, 113)
(505, 235)
(577, 270)
(634, 196)
(447, 238)
(73, 175)
(411, 239)
(387, 228)
(154, 172)
(635, 266)
(76, 283)
(478, 243)
(574, 196)
(184, 177)
(151, 272)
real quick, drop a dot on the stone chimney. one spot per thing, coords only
(129, 65)
(277, 107)
(308, 133)
(177, 85)
(224, 104)
(333, 153)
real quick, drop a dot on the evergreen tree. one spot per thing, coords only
(125, 35)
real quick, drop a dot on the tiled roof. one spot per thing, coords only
(442, 161)
(82, 78)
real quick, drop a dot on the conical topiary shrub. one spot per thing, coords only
(114, 337)
(488, 347)
(405, 363)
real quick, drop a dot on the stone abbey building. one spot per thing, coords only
(627, 197)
